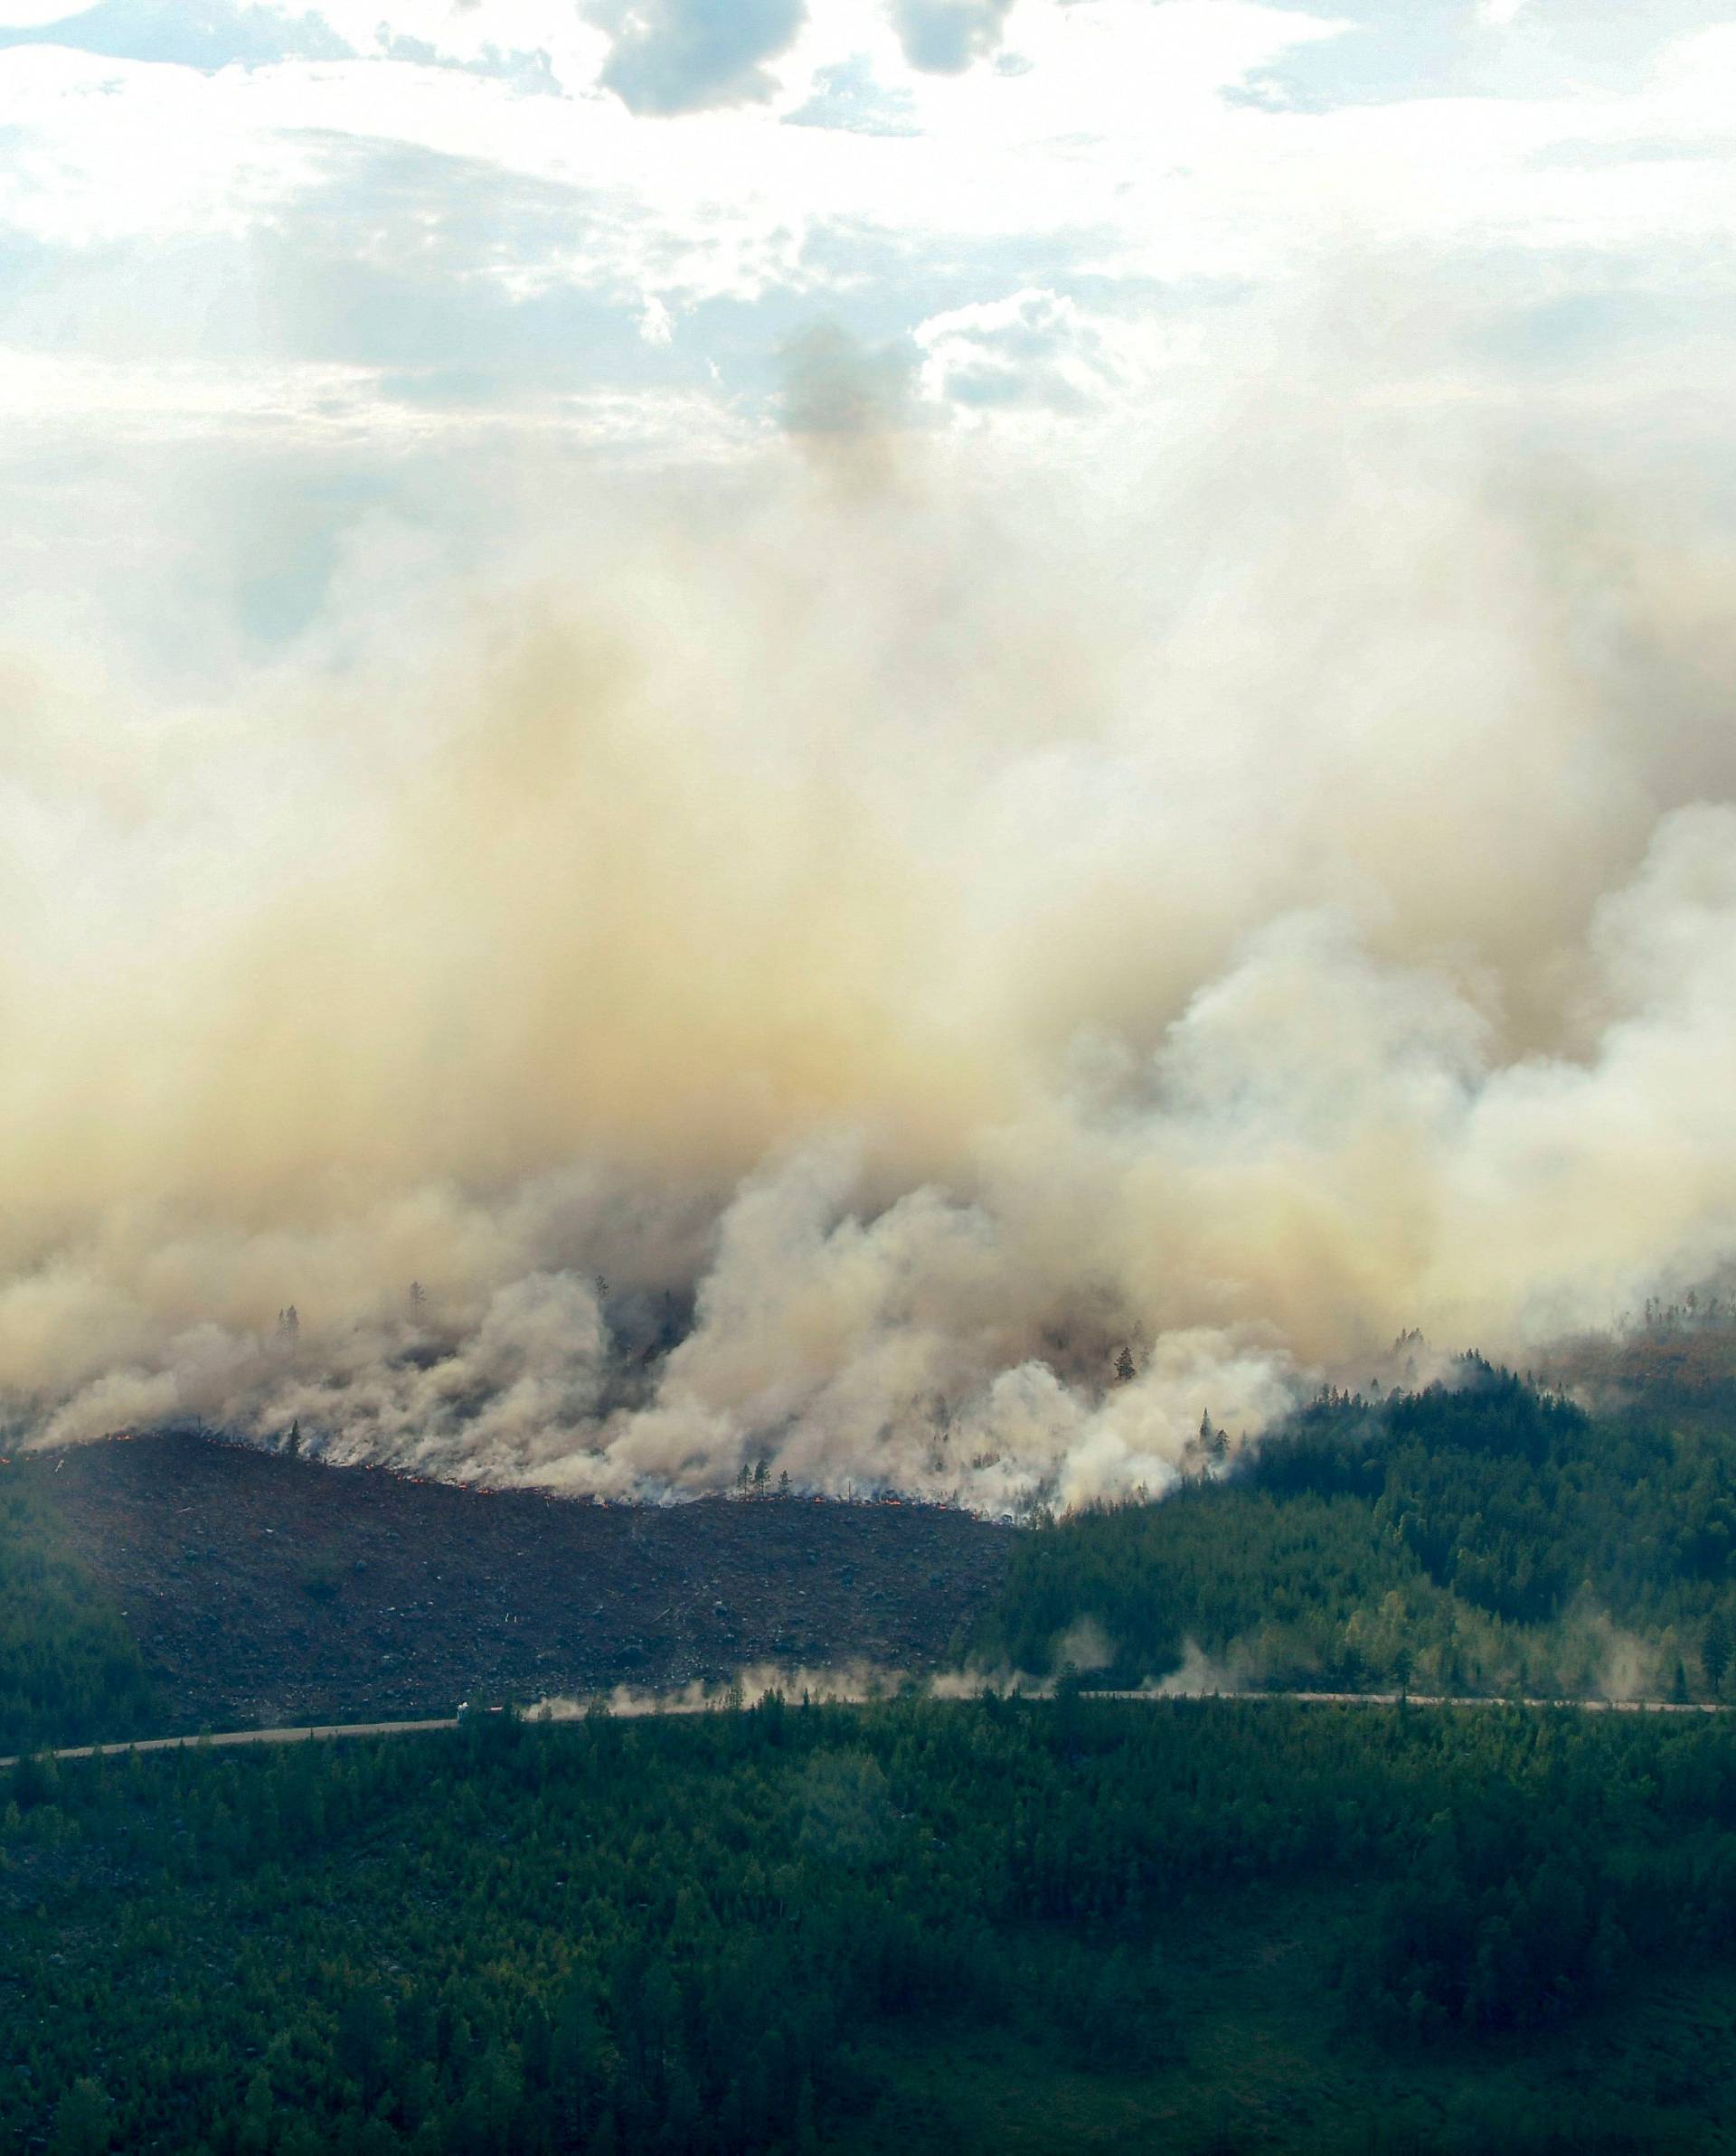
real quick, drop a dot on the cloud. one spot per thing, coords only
(944, 37)
(1435, 49)
(675, 56)
(531, 73)
(1033, 348)
(217, 33)
(847, 95)
(160, 216)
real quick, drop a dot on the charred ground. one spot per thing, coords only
(262, 1588)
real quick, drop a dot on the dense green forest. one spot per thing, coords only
(1481, 1536)
(1002, 1924)
(69, 1671)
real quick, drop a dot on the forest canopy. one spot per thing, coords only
(1481, 1536)
(749, 1932)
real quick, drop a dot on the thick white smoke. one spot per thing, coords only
(814, 980)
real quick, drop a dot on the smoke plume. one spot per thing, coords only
(812, 979)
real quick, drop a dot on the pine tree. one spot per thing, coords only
(807, 2138)
(83, 2125)
(1714, 1651)
(255, 2136)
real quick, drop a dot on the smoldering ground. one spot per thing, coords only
(811, 978)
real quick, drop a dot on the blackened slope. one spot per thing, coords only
(265, 1588)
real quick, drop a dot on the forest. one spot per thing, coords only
(1482, 1536)
(69, 1672)
(999, 1922)
(802, 1927)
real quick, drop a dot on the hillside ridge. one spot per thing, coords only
(264, 1589)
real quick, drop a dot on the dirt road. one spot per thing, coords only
(244, 1737)
(680, 1704)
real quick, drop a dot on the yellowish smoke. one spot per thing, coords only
(910, 938)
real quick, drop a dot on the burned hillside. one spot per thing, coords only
(262, 1589)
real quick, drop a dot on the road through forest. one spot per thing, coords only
(683, 1703)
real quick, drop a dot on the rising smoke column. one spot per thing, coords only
(815, 978)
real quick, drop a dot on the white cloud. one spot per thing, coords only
(944, 37)
(847, 93)
(677, 56)
(1033, 348)
(275, 216)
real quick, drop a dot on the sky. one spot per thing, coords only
(830, 705)
(377, 265)
(380, 235)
